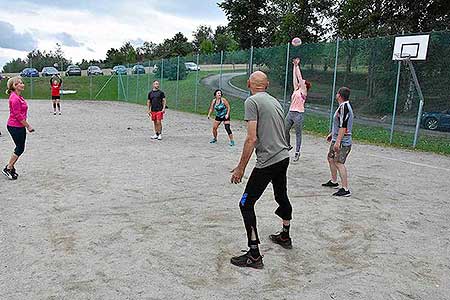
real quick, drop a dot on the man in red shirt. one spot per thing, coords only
(55, 83)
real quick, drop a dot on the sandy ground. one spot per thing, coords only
(100, 211)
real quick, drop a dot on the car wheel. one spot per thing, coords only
(431, 123)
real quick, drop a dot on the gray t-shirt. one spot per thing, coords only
(271, 146)
(343, 118)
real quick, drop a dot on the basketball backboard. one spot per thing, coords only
(414, 46)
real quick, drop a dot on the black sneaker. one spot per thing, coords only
(7, 173)
(330, 184)
(14, 173)
(342, 193)
(283, 242)
(247, 260)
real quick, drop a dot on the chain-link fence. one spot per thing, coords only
(363, 65)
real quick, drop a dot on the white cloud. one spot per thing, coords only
(130, 21)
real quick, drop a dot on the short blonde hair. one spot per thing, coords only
(10, 85)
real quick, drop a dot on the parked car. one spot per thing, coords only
(436, 120)
(190, 66)
(73, 70)
(29, 72)
(94, 70)
(138, 69)
(119, 70)
(49, 71)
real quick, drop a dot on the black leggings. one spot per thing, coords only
(257, 183)
(19, 136)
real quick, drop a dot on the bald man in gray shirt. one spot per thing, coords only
(265, 133)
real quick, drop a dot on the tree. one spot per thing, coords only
(206, 47)
(293, 18)
(224, 41)
(15, 66)
(247, 21)
(177, 45)
(146, 51)
(128, 52)
(202, 33)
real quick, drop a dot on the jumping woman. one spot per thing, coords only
(297, 108)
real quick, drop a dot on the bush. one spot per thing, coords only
(170, 69)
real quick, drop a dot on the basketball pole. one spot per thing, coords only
(419, 92)
(333, 94)
(394, 111)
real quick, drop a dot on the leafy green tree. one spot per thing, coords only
(206, 47)
(247, 21)
(202, 33)
(15, 66)
(299, 18)
(177, 45)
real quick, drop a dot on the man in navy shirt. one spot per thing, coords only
(156, 104)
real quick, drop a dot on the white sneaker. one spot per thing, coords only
(159, 137)
(154, 137)
(59, 113)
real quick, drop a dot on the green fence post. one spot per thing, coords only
(333, 93)
(196, 84)
(286, 77)
(178, 80)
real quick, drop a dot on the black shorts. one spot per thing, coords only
(56, 97)
(218, 119)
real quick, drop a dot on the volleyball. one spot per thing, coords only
(296, 42)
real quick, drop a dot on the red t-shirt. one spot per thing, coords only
(56, 89)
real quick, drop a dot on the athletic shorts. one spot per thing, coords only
(157, 115)
(56, 97)
(219, 119)
(341, 156)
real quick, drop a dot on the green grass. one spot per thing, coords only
(319, 125)
(135, 89)
(39, 88)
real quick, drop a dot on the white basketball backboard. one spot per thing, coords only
(414, 46)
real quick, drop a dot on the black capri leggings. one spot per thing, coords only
(257, 183)
(19, 135)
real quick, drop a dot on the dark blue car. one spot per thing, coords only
(436, 120)
(29, 72)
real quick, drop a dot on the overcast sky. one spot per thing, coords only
(87, 29)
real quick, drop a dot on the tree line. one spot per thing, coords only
(264, 23)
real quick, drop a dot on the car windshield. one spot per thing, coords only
(95, 68)
(49, 70)
(119, 67)
(190, 64)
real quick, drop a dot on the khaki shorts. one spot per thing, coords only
(341, 156)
